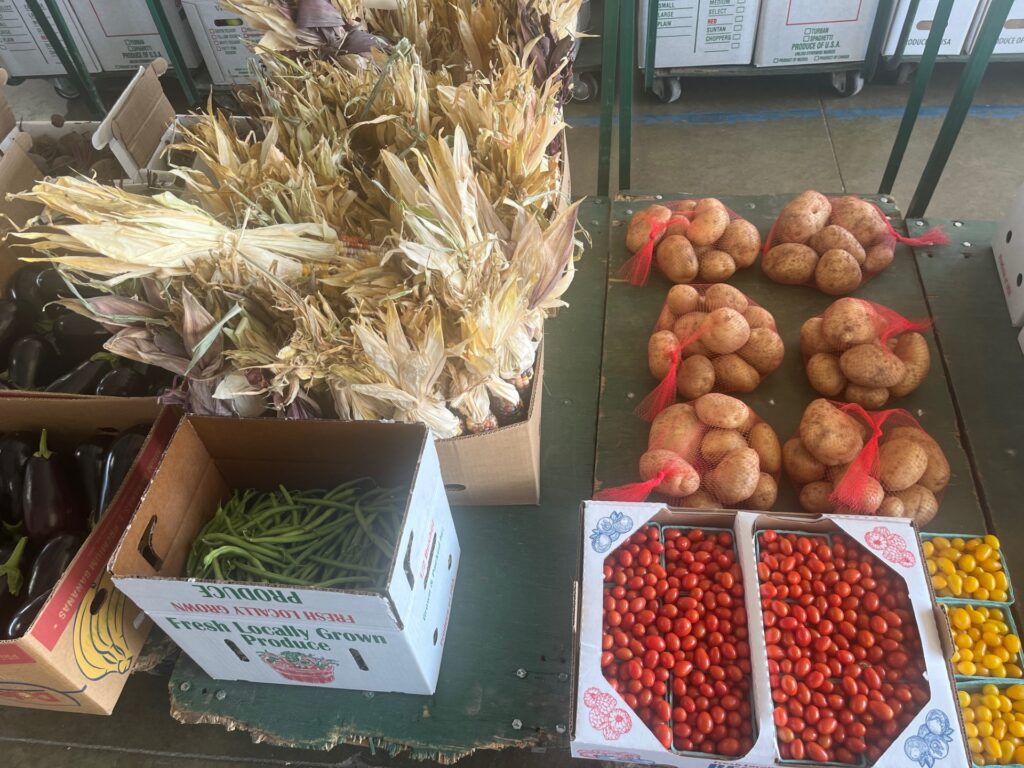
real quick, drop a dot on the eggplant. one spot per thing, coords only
(78, 337)
(82, 379)
(51, 286)
(119, 460)
(90, 458)
(32, 363)
(123, 382)
(22, 619)
(15, 451)
(16, 320)
(51, 501)
(51, 562)
(22, 287)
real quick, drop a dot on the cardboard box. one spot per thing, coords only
(953, 39)
(1011, 39)
(607, 525)
(375, 641)
(24, 49)
(1008, 251)
(793, 32)
(66, 661)
(700, 33)
(124, 36)
(222, 36)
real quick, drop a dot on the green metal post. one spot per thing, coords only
(64, 46)
(916, 97)
(877, 39)
(188, 86)
(627, 49)
(651, 43)
(609, 47)
(908, 25)
(988, 36)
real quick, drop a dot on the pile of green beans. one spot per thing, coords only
(344, 537)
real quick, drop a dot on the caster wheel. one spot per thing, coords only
(667, 89)
(585, 87)
(847, 83)
(905, 73)
(65, 88)
(15, 80)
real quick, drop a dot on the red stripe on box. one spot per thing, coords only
(92, 559)
(12, 654)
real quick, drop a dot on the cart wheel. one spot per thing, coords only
(15, 80)
(667, 89)
(847, 83)
(65, 88)
(905, 73)
(585, 86)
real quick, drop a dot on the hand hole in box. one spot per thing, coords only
(450, 557)
(146, 546)
(407, 562)
(227, 22)
(454, 487)
(1009, 235)
(359, 659)
(1020, 279)
(97, 601)
(237, 651)
(435, 636)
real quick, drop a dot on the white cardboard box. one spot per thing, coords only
(221, 36)
(24, 50)
(792, 32)
(124, 36)
(608, 525)
(1011, 39)
(953, 39)
(270, 633)
(1008, 251)
(702, 33)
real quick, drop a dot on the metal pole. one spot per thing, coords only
(188, 86)
(651, 42)
(627, 48)
(64, 46)
(908, 25)
(916, 97)
(878, 30)
(609, 42)
(959, 106)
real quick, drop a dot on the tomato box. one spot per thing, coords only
(265, 632)
(766, 639)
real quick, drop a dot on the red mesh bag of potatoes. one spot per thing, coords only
(864, 353)
(709, 338)
(689, 240)
(850, 460)
(833, 244)
(712, 453)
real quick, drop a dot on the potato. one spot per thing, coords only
(871, 398)
(726, 331)
(802, 216)
(872, 497)
(676, 259)
(912, 349)
(919, 504)
(860, 218)
(683, 299)
(790, 264)
(695, 377)
(849, 321)
(681, 479)
(702, 499)
(901, 463)
(734, 374)
(878, 258)
(641, 226)
(764, 495)
(891, 506)
(759, 317)
(824, 374)
(709, 222)
(682, 207)
(835, 474)
(721, 295)
(872, 365)
(800, 465)
(735, 477)
(686, 328)
(836, 237)
(837, 272)
(666, 320)
(677, 225)
(677, 429)
(715, 266)
(936, 476)
(742, 241)
(661, 347)
(812, 340)
(722, 411)
(764, 350)
(718, 443)
(766, 443)
(830, 435)
(814, 497)
(871, 494)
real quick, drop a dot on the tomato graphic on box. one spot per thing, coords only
(301, 667)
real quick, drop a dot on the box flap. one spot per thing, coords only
(18, 172)
(7, 119)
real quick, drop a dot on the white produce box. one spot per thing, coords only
(953, 39)
(793, 32)
(1011, 39)
(1008, 251)
(701, 33)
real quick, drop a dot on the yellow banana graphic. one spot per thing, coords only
(99, 642)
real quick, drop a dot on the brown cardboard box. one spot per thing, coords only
(57, 664)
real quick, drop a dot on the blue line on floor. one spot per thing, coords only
(985, 111)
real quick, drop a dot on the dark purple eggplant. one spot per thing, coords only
(90, 458)
(123, 382)
(82, 379)
(15, 321)
(51, 562)
(119, 460)
(78, 337)
(22, 619)
(32, 363)
(51, 500)
(15, 451)
(51, 286)
(22, 286)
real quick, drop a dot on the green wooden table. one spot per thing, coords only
(506, 678)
